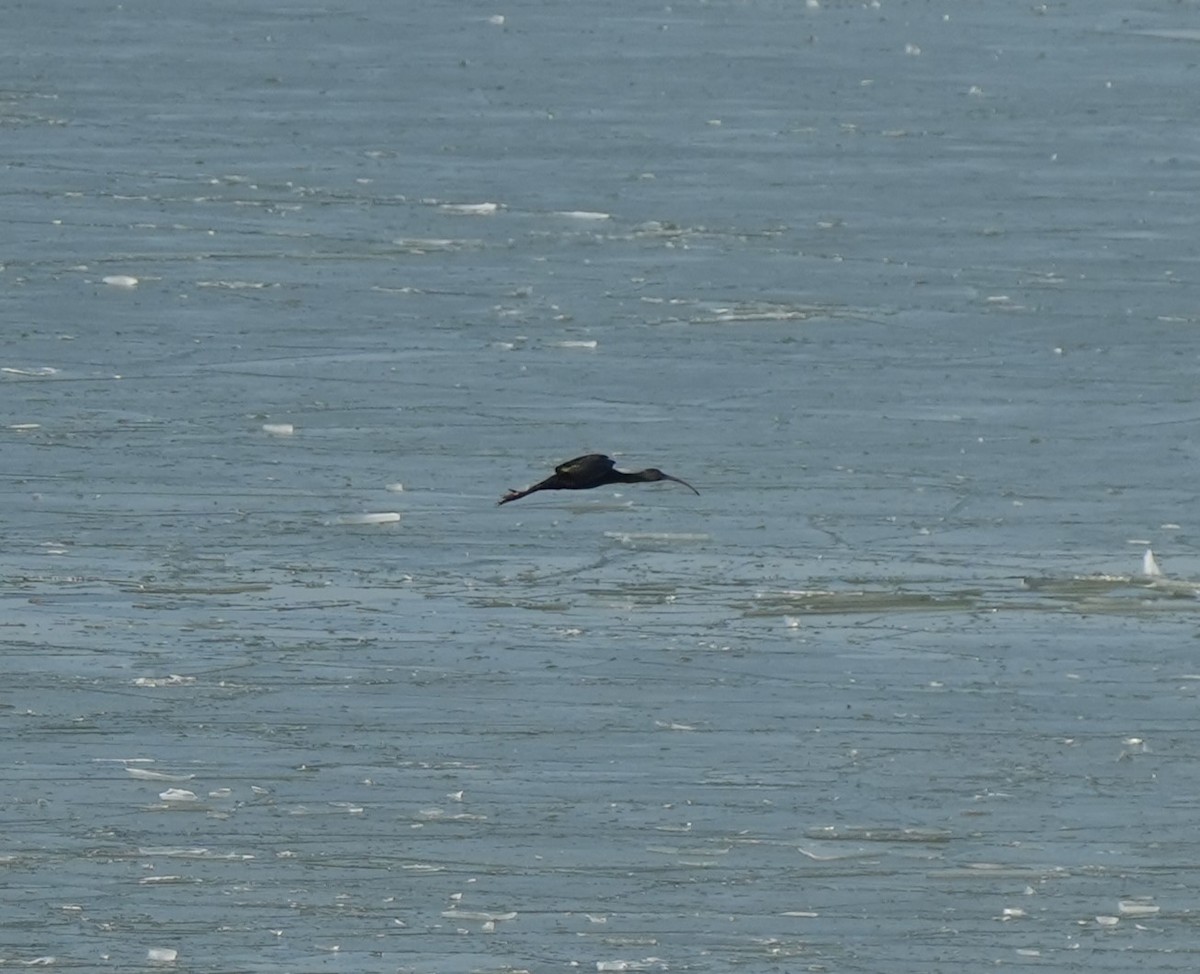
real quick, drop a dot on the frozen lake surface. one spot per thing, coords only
(294, 293)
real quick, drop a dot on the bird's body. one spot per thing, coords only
(593, 470)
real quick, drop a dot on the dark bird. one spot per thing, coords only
(594, 470)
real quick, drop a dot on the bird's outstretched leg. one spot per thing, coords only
(550, 483)
(515, 495)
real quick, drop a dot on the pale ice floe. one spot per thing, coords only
(235, 285)
(583, 214)
(441, 815)
(471, 209)
(120, 280)
(173, 680)
(145, 774)
(179, 795)
(481, 916)
(1170, 33)
(1157, 580)
(162, 955)
(380, 517)
(39, 372)
(666, 537)
(278, 429)
(1150, 565)
(425, 245)
(674, 725)
(1137, 906)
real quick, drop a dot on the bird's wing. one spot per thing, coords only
(592, 460)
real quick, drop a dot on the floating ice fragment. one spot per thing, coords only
(178, 795)
(187, 852)
(382, 517)
(578, 344)
(480, 915)
(120, 280)
(471, 209)
(496, 20)
(279, 429)
(632, 537)
(174, 680)
(396, 488)
(25, 427)
(1108, 921)
(584, 214)
(674, 725)
(145, 774)
(40, 370)
(1137, 906)
(1150, 565)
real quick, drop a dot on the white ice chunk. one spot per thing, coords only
(279, 429)
(120, 280)
(471, 209)
(382, 517)
(1150, 565)
(174, 680)
(178, 795)
(481, 916)
(145, 774)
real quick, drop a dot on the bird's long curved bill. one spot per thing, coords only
(667, 476)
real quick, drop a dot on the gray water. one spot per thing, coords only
(293, 293)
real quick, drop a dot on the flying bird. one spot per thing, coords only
(593, 470)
